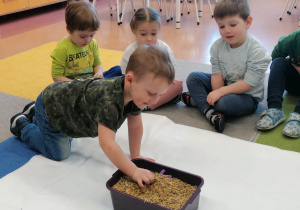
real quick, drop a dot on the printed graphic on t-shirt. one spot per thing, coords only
(80, 63)
(233, 74)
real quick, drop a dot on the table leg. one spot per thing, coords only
(177, 13)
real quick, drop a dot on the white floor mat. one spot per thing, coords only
(238, 175)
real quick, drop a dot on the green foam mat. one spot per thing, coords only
(275, 137)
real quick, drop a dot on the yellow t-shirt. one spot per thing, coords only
(74, 62)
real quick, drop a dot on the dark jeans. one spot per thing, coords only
(40, 135)
(199, 85)
(113, 72)
(283, 76)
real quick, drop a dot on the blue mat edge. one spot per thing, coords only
(13, 155)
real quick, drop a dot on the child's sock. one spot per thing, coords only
(216, 119)
(208, 112)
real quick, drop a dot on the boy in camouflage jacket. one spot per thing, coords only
(98, 107)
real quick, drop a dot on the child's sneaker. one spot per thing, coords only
(270, 118)
(186, 98)
(218, 120)
(292, 127)
(17, 123)
(29, 111)
(175, 100)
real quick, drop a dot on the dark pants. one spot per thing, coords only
(113, 72)
(43, 137)
(199, 85)
(283, 76)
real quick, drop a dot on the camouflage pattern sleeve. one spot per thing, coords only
(75, 108)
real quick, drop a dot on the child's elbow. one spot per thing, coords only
(105, 146)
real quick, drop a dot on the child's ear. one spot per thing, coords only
(129, 78)
(249, 22)
(69, 32)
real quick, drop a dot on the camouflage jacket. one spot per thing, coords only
(75, 108)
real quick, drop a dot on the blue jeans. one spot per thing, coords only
(283, 76)
(45, 139)
(199, 85)
(113, 72)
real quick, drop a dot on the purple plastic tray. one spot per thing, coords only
(123, 201)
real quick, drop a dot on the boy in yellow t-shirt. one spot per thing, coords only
(76, 56)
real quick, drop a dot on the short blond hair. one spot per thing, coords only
(151, 59)
(81, 15)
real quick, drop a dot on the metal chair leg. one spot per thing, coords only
(196, 8)
(212, 14)
(166, 9)
(133, 6)
(159, 5)
(123, 11)
(291, 7)
(118, 12)
(110, 7)
(286, 5)
(296, 3)
(171, 10)
(187, 6)
(200, 8)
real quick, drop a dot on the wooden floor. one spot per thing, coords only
(26, 30)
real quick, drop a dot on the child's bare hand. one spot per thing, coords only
(150, 159)
(143, 176)
(97, 75)
(213, 97)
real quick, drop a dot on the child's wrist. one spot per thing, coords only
(133, 172)
(222, 90)
(135, 156)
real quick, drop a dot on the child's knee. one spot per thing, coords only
(61, 156)
(281, 60)
(197, 78)
(221, 104)
(224, 105)
(191, 77)
(61, 152)
(279, 63)
(234, 105)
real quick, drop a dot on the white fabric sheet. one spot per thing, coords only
(238, 175)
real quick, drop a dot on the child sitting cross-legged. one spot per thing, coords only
(239, 63)
(77, 56)
(98, 107)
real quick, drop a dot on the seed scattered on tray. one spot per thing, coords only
(171, 193)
